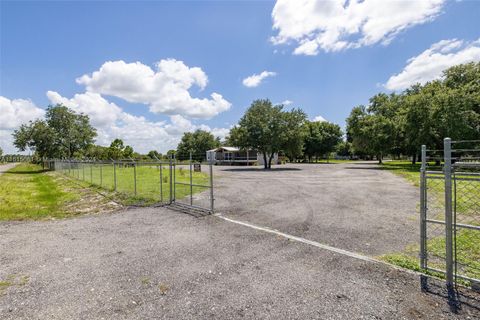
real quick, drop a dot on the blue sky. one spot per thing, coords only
(46, 46)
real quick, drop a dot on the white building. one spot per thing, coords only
(233, 155)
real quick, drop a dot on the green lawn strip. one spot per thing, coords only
(468, 248)
(148, 182)
(468, 255)
(26, 192)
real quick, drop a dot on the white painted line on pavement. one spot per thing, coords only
(316, 244)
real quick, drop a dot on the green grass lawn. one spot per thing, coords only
(468, 211)
(152, 183)
(26, 192)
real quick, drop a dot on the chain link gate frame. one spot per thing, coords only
(205, 199)
(450, 213)
(159, 180)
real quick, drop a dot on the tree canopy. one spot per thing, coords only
(422, 114)
(197, 143)
(269, 129)
(321, 138)
(61, 134)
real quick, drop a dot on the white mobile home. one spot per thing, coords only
(233, 155)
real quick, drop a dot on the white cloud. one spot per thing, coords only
(319, 118)
(429, 64)
(286, 102)
(13, 113)
(334, 25)
(165, 89)
(256, 79)
(143, 135)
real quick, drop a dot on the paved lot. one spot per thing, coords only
(353, 206)
(157, 263)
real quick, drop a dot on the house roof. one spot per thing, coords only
(232, 149)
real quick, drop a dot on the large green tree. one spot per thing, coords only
(269, 129)
(197, 143)
(321, 138)
(117, 150)
(61, 134)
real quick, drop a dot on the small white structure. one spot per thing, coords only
(233, 155)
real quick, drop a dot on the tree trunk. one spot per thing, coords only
(414, 158)
(265, 164)
(270, 161)
(379, 157)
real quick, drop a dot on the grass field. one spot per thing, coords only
(28, 192)
(468, 211)
(145, 184)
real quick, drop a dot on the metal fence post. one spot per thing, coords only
(114, 176)
(170, 179)
(161, 183)
(101, 176)
(174, 177)
(135, 177)
(191, 181)
(83, 170)
(447, 154)
(211, 187)
(423, 209)
(91, 173)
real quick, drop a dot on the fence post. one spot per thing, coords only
(447, 154)
(101, 172)
(83, 170)
(161, 183)
(191, 181)
(174, 177)
(170, 179)
(135, 177)
(114, 176)
(211, 187)
(91, 172)
(423, 209)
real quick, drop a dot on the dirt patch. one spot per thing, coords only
(89, 200)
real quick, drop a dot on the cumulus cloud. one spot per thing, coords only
(430, 63)
(286, 102)
(164, 89)
(333, 25)
(319, 119)
(13, 113)
(17, 111)
(112, 122)
(256, 79)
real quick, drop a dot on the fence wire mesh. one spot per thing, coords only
(184, 182)
(450, 207)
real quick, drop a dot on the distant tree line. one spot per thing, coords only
(398, 124)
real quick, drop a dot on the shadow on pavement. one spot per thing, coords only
(455, 297)
(244, 169)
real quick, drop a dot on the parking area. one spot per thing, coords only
(353, 206)
(157, 263)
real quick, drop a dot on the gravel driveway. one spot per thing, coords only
(160, 264)
(353, 206)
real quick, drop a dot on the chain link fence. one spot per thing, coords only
(450, 211)
(187, 183)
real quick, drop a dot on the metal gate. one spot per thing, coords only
(192, 185)
(187, 184)
(450, 212)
